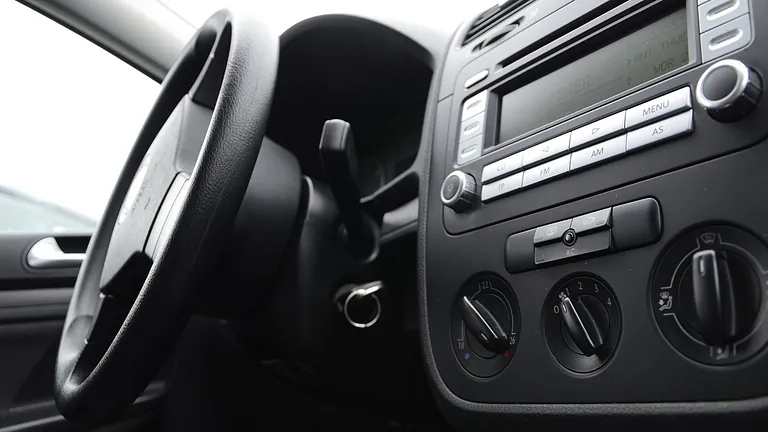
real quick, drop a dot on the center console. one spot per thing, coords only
(593, 230)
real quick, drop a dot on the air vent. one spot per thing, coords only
(493, 16)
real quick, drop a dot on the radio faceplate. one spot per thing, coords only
(480, 107)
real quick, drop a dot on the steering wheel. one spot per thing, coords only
(172, 206)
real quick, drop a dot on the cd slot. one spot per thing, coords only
(559, 31)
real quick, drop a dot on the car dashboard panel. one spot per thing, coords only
(592, 237)
(321, 77)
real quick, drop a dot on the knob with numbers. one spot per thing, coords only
(485, 325)
(582, 323)
(729, 90)
(459, 191)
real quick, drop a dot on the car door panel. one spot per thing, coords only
(33, 305)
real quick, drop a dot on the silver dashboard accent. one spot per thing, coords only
(663, 106)
(742, 80)
(503, 167)
(717, 12)
(600, 152)
(46, 254)
(726, 38)
(502, 187)
(660, 131)
(474, 105)
(366, 290)
(476, 78)
(598, 130)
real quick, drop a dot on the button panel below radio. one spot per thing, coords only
(622, 227)
(673, 116)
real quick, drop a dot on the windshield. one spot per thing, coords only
(57, 174)
(436, 14)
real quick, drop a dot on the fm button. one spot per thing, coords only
(458, 191)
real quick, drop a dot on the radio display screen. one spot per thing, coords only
(650, 52)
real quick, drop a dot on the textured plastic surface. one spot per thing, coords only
(631, 392)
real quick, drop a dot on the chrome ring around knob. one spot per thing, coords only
(742, 80)
(462, 193)
(364, 291)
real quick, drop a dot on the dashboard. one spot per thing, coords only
(327, 71)
(592, 243)
(592, 239)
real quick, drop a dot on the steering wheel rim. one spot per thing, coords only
(161, 230)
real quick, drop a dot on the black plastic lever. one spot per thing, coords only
(337, 153)
(483, 325)
(582, 324)
(713, 295)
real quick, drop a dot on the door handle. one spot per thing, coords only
(46, 254)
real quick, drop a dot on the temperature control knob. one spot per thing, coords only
(459, 191)
(729, 90)
(485, 325)
(489, 328)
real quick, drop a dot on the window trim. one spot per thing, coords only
(129, 30)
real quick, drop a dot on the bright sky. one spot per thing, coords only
(439, 14)
(71, 111)
(69, 115)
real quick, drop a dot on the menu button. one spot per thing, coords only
(665, 106)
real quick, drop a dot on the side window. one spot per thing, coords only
(70, 112)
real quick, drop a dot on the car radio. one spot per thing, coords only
(593, 226)
(574, 84)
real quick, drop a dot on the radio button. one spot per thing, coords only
(470, 149)
(505, 166)
(501, 187)
(472, 127)
(716, 12)
(665, 106)
(474, 105)
(598, 153)
(546, 150)
(726, 38)
(476, 78)
(661, 131)
(546, 171)
(600, 129)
